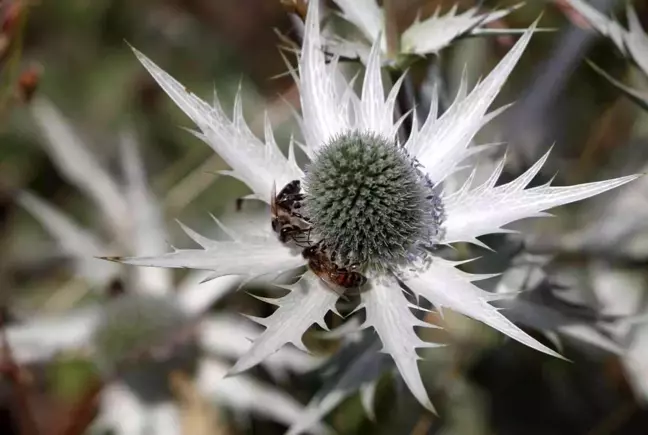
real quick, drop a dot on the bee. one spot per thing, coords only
(286, 221)
(322, 265)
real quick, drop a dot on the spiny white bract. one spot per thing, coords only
(331, 108)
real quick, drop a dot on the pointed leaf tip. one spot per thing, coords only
(387, 311)
(487, 208)
(442, 143)
(114, 259)
(252, 161)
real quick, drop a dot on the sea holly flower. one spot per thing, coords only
(372, 200)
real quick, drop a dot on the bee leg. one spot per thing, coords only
(299, 239)
(319, 245)
(299, 244)
(302, 238)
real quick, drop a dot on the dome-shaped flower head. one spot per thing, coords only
(367, 201)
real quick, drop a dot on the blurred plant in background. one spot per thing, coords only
(422, 37)
(631, 42)
(143, 334)
(154, 346)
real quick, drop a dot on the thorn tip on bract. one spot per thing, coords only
(114, 259)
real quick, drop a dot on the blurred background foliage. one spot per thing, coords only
(76, 54)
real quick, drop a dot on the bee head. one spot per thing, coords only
(287, 232)
(310, 251)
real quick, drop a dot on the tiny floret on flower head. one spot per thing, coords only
(368, 201)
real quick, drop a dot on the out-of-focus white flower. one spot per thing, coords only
(386, 202)
(541, 307)
(140, 229)
(631, 42)
(422, 37)
(357, 366)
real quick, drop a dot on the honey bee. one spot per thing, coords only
(322, 265)
(286, 221)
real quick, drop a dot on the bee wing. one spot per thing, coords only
(325, 275)
(273, 199)
(340, 291)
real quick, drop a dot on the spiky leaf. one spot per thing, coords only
(307, 303)
(447, 287)
(388, 313)
(224, 258)
(472, 212)
(257, 164)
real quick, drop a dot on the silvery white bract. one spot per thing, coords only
(136, 224)
(631, 42)
(330, 109)
(422, 37)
